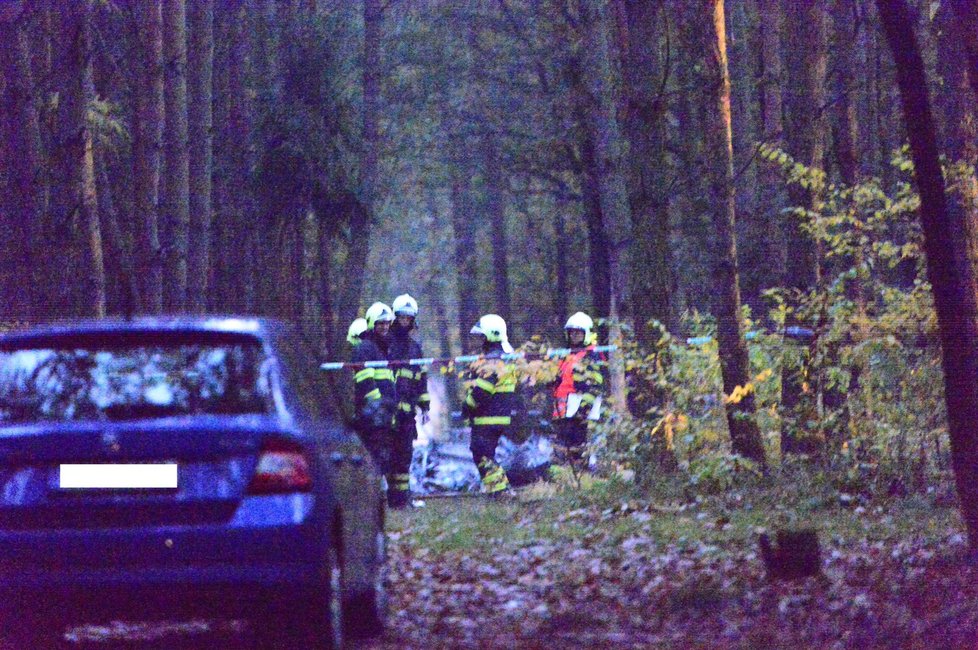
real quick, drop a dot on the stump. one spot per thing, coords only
(797, 554)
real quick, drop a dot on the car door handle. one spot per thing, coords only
(337, 457)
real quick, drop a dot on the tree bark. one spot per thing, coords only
(232, 251)
(953, 286)
(78, 99)
(586, 166)
(967, 12)
(745, 436)
(845, 131)
(370, 147)
(496, 208)
(805, 126)
(200, 61)
(602, 75)
(23, 161)
(146, 148)
(176, 180)
(465, 250)
(645, 76)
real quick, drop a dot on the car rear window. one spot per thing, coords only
(66, 382)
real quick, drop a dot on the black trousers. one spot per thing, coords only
(402, 443)
(483, 444)
(378, 441)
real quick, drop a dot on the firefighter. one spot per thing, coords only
(491, 401)
(412, 393)
(357, 328)
(375, 394)
(578, 387)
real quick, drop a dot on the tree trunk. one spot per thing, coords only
(23, 161)
(465, 250)
(609, 170)
(176, 188)
(330, 330)
(370, 147)
(117, 243)
(147, 144)
(232, 251)
(953, 286)
(561, 271)
(745, 436)
(805, 135)
(586, 167)
(645, 124)
(79, 150)
(845, 131)
(967, 12)
(496, 208)
(200, 61)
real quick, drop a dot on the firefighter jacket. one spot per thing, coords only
(412, 381)
(581, 372)
(492, 399)
(375, 393)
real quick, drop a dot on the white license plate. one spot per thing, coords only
(117, 476)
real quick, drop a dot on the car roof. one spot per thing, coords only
(265, 329)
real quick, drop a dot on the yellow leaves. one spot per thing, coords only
(740, 392)
(669, 425)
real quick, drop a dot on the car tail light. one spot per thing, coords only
(281, 467)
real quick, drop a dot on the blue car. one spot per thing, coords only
(158, 468)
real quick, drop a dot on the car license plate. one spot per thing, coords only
(117, 476)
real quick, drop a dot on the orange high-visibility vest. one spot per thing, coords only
(566, 385)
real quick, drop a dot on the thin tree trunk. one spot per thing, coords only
(370, 147)
(953, 286)
(147, 144)
(23, 158)
(496, 208)
(465, 250)
(561, 270)
(78, 99)
(117, 243)
(330, 331)
(967, 12)
(200, 61)
(745, 436)
(176, 180)
(805, 126)
(603, 80)
(233, 258)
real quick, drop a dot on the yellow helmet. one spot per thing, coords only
(357, 327)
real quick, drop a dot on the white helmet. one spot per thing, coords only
(493, 327)
(378, 312)
(357, 327)
(583, 322)
(405, 304)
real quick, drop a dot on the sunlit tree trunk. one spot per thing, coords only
(78, 99)
(200, 62)
(745, 436)
(176, 188)
(147, 145)
(954, 296)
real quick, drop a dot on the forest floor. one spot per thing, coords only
(608, 566)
